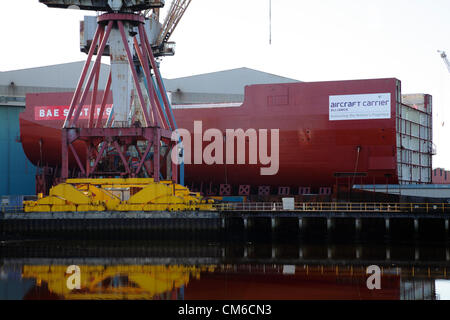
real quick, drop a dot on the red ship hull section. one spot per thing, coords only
(41, 123)
(312, 149)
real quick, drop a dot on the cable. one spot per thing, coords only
(270, 22)
(356, 165)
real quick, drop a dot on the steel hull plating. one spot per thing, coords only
(313, 150)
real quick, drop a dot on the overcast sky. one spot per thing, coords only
(312, 40)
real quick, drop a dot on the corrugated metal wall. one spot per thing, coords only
(17, 174)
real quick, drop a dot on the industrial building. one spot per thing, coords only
(441, 176)
(18, 173)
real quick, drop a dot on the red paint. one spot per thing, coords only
(155, 132)
(316, 286)
(312, 148)
(441, 176)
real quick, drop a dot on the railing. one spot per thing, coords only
(312, 207)
(335, 207)
(11, 209)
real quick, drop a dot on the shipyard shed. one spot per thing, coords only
(55, 78)
(18, 173)
(221, 86)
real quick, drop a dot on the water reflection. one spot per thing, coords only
(211, 271)
(111, 282)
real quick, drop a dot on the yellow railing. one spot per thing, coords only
(336, 206)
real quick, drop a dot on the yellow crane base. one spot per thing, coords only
(132, 194)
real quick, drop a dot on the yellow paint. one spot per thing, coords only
(142, 281)
(84, 195)
(112, 181)
(69, 193)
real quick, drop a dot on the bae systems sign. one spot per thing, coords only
(360, 107)
(60, 112)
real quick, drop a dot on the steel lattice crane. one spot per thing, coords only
(132, 154)
(174, 15)
(447, 64)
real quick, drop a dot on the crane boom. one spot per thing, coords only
(176, 12)
(445, 58)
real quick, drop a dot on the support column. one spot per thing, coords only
(358, 226)
(168, 159)
(329, 224)
(64, 155)
(156, 155)
(174, 164)
(358, 252)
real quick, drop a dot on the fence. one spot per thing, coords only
(336, 207)
(311, 207)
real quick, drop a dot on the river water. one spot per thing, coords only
(216, 271)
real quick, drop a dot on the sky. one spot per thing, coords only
(312, 40)
(443, 289)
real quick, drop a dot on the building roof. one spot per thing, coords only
(223, 82)
(221, 86)
(64, 75)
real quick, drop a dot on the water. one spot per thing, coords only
(209, 271)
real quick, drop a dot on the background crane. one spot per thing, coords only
(173, 17)
(445, 58)
(447, 64)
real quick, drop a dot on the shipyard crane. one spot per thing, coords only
(447, 64)
(128, 154)
(174, 15)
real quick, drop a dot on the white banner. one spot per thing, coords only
(360, 107)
